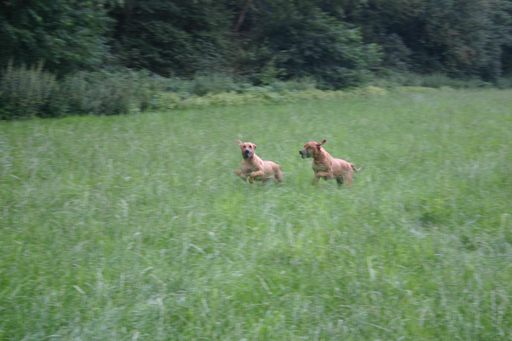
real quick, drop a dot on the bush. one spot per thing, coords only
(28, 92)
(112, 93)
(436, 80)
(504, 83)
(96, 93)
(204, 83)
(107, 94)
(24, 91)
(294, 84)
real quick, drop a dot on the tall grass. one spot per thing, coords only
(135, 227)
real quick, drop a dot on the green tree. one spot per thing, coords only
(180, 37)
(66, 34)
(463, 38)
(303, 41)
(459, 39)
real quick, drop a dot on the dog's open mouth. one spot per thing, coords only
(304, 155)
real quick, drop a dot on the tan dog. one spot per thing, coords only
(327, 167)
(256, 168)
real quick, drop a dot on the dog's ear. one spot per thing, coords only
(240, 143)
(254, 146)
(318, 145)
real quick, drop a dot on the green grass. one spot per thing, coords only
(136, 228)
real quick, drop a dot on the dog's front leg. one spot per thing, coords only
(325, 175)
(255, 174)
(315, 179)
(241, 174)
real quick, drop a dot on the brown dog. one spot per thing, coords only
(327, 167)
(256, 168)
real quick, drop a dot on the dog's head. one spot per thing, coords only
(247, 149)
(311, 149)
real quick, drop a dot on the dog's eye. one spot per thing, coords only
(250, 147)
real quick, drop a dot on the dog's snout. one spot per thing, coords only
(301, 152)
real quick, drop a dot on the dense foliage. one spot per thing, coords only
(172, 37)
(335, 44)
(463, 38)
(316, 46)
(66, 35)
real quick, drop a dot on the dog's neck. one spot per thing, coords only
(321, 155)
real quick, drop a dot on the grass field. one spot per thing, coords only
(136, 228)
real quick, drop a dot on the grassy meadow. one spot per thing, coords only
(136, 228)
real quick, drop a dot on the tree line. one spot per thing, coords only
(338, 43)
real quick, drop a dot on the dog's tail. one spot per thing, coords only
(279, 173)
(354, 167)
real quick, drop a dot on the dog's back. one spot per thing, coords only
(272, 169)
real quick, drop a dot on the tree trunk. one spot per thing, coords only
(241, 16)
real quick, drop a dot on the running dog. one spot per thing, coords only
(255, 168)
(327, 167)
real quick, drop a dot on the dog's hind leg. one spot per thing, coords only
(348, 176)
(339, 180)
(278, 178)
